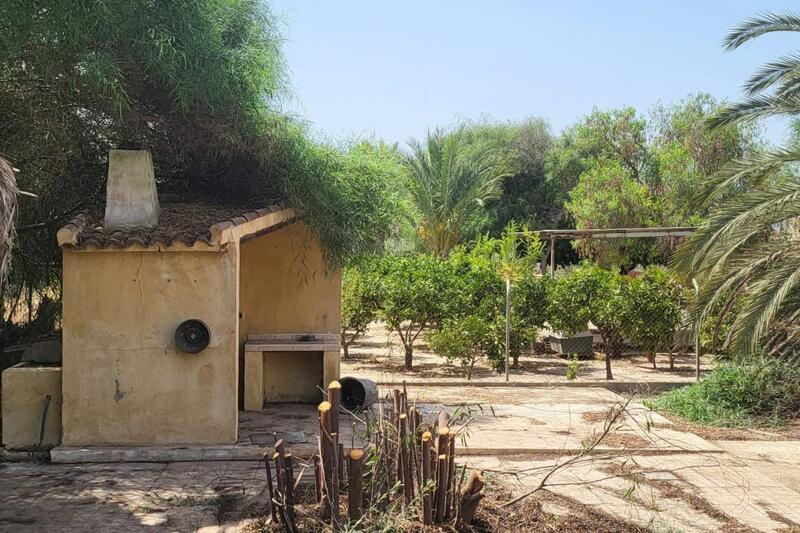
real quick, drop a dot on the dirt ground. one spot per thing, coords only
(379, 356)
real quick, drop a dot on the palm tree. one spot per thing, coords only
(746, 256)
(449, 183)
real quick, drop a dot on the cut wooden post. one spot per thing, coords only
(405, 461)
(427, 495)
(335, 399)
(279, 473)
(334, 481)
(397, 406)
(270, 490)
(317, 477)
(472, 496)
(451, 471)
(288, 489)
(324, 410)
(441, 487)
(355, 489)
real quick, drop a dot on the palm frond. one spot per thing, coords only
(754, 108)
(752, 168)
(781, 70)
(735, 222)
(760, 25)
(765, 297)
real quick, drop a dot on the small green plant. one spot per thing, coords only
(573, 367)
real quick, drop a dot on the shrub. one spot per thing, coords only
(590, 293)
(360, 301)
(461, 339)
(738, 394)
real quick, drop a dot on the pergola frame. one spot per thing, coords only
(616, 233)
(609, 233)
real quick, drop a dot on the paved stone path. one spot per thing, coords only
(662, 478)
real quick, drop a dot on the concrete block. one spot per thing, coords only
(25, 389)
(131, 198)
(253, 381)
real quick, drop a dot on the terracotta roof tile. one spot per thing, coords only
(186, 223)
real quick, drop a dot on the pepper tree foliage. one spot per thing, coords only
(638, 171)
(200, 85)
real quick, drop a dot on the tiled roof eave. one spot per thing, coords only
(77, 234)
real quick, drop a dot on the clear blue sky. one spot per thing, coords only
(395, 69)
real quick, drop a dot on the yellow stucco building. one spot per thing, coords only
(253, 281)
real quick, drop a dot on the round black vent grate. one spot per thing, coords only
(192, 336)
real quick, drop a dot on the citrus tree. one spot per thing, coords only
(590, 293)
(652, 310)
(414, 293)
(360, 301)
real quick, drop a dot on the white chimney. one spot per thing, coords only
(131, 197)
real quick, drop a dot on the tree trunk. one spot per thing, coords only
(345, 347)
(608, 366)
(471, 367)
(409, 348)
(651, 357)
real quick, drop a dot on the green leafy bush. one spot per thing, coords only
(738, 394)
(461, 339)
(479, 274)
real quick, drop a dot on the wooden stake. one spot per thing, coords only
(441, 487)
(317, 477)
(270, 490)
(427, 497)
(288, 489)
(355, 490)
(335, 399)
(333, 493)
(324, 410)
(451, 471)
(405, 461)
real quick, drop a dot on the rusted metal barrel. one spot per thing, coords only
(358, 393)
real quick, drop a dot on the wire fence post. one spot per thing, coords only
(508, 322)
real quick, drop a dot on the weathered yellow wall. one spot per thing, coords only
(285, 288)
(124, 381)
(25, 388)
